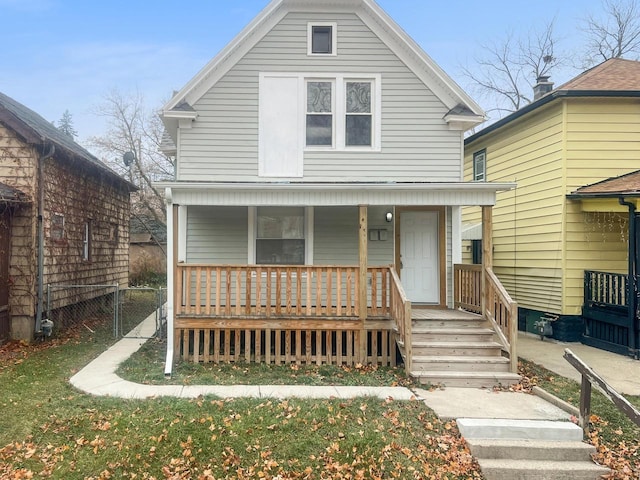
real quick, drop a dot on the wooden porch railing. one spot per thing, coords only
(282, 314)
(400, 310)
(607, 289)
(251, 291)
(499, 308)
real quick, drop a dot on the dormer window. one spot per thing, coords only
(322, 38)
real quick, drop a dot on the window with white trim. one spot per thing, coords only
(342, 113)
(480, 166)
(319, 121)
(322, 39)
(280, 236)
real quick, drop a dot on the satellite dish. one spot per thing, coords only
(128, 158)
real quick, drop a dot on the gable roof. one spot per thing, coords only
(38, 131)
(179, 107)
(615, 77)
(624, 185)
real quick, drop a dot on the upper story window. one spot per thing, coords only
(342, 113)
(86, 241)
(319, 121)
(322, 38)
(480, 166)
(359, 119)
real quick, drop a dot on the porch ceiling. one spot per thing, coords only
(333, 194)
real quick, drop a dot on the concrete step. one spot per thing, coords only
(466, 379)
(456, 348)
(458, 363)
(511, 449)
(503, 469)
(504, 429)
(468, 334)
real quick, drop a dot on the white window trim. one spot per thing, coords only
(340, 110)
(86, 241)
(334, 38)
(479, 153)
(253, 228)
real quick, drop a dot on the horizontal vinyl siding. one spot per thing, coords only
(217, 235)
(336, 236)
(603, 141)
(222, 145)
(527, 222)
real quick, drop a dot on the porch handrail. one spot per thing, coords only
(499, 308)
(400, 310)
(279, 290)
(589, 377)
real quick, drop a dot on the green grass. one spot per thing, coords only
(615, 436)
(49, 429)
(147, 366)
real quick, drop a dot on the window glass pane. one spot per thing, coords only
(57, 227)
(479, 166)
(358, 97)
(280, 252)
(321, 41)
(319, 97)
(280, 222)
(358, 130)
(320, 130)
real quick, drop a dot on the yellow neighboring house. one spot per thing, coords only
(545, 238)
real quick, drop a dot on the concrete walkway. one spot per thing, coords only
(99, 378)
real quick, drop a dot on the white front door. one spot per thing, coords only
(419, 256)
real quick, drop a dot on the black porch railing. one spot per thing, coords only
(608, 322)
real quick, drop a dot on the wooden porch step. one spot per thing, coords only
(458, 363)
(456, 348)
(472, 322)
(466, 334)
(467, 379)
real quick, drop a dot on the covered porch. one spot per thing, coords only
(343, 313)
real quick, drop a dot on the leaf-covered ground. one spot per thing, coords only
(50, 430)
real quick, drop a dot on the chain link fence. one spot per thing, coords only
(126, 308)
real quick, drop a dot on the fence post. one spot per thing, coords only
(116, 307)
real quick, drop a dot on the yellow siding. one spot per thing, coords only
(603, 141)
(527, 230)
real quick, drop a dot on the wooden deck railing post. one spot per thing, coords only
(362, 293)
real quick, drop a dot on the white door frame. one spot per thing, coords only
(441, 247)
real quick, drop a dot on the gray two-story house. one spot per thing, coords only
(317, 202)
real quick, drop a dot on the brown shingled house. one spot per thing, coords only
(560, 248)
(54, 194)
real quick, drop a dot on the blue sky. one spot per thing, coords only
(67, 54)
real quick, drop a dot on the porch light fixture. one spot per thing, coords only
(388, 217)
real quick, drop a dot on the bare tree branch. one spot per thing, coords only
(132, 128)
(615, 34)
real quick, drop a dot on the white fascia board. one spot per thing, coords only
(180, 114)
(463, 122)
(416, 58)
(313, 194)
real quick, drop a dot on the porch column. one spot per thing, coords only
(487, 252)
(362, 293)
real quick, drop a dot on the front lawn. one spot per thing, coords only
(50, 430)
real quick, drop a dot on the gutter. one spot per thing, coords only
(40, 272)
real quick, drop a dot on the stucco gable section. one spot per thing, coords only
(369, 12)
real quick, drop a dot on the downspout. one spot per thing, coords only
(171, 248)
(40, 273)
(632, 288)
